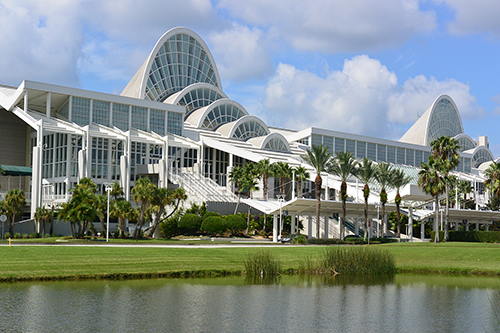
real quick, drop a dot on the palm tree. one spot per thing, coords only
(162, 198)
(398, 181)
(464, 187)
(383, 177)
(142, 192)
(265, 170)
(492, 181)
(300, 175)
(236, 176)
(101, 208)
(318, 158)
(41, 216)
(431, 182)
(116, 190)
(446, 149)
(13, 205)
(81, 206)
(282, 170)
(122, 210)
(343, 166)
(366, 173)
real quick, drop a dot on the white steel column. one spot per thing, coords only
(48, 106)
(294, 221)
(410, 223)
(309, 226)
(275, 228)
(422, 229)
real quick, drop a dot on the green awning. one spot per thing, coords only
(13, 170)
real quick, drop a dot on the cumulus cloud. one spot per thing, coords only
(336, 25)
(241, 53)
(57, 41)
(474, 16)
(364, 97)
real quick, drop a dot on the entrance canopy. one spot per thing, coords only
(458, 215)
(330, 207)
(12, 170)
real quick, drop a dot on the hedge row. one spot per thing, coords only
(470, 236)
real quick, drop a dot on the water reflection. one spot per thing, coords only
(291, 303)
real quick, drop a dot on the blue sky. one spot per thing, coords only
(363, 66)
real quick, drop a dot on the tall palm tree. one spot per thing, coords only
(398, 181)
(464, 187)
(101, 209)
(236, 177)
(42, 216)
(343, 166)
(81, 206)
(301, 174)
(142, 192)
(122, 210)
(446, 150)
(162, 198)
(366, 173)
(431, 182)
(282, 170)
(492, 181)
(116, 190)
(13, 204)
(383, 177)
(265, 170)
(318, 158)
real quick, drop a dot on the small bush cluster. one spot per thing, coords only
(214, 225)
(299, 239)
(6, 235)
(189, 223)
(470, 236)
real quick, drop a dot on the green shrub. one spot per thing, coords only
(213, 225)
(169, 227)
(471, 236)
(236, 223)
(189, 223)
(17, 235)
(209, 214)
(6, 235)
(322, 241)
(32, 235)
(38, 235)
(25, 235)
(299, 239)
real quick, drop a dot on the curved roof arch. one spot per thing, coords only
(196, 96)
(179, 59)
(273, 141)
(465, 142)
(441, 118)
(218, 113)
(244, 128)
(480, 155)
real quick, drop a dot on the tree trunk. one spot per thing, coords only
(299, 188)
(366, 218)
(398, 218)
(11, 226)
(248, 219)
(140, 221)
(156, 221)
(318, 182)
(436, 224)
(103, 227)
(447, 220)
(382, 224)
(343, 193)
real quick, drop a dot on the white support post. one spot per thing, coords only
(275, 228)
(294, 220)
(422, 229)
(309, 226)
(410, 223)
(48, 106)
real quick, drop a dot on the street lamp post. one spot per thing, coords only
(108, 190)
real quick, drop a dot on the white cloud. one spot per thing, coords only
(336, 25)
(474, 16)
(364, 97)
(40, 40)
(241, 53)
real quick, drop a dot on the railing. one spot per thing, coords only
(55, 199)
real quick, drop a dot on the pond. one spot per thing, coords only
(406, 303)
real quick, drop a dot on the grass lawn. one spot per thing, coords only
(85, 261)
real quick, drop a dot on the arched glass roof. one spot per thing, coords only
(481, 155)
(180, 60)
(196, 96)
(276, 144)
(273, 141)
(444, 120)
(220, 112)
(244, 128)
(465, 142)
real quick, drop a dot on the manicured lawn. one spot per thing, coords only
(85, 261)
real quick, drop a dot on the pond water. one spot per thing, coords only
(404, 303)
